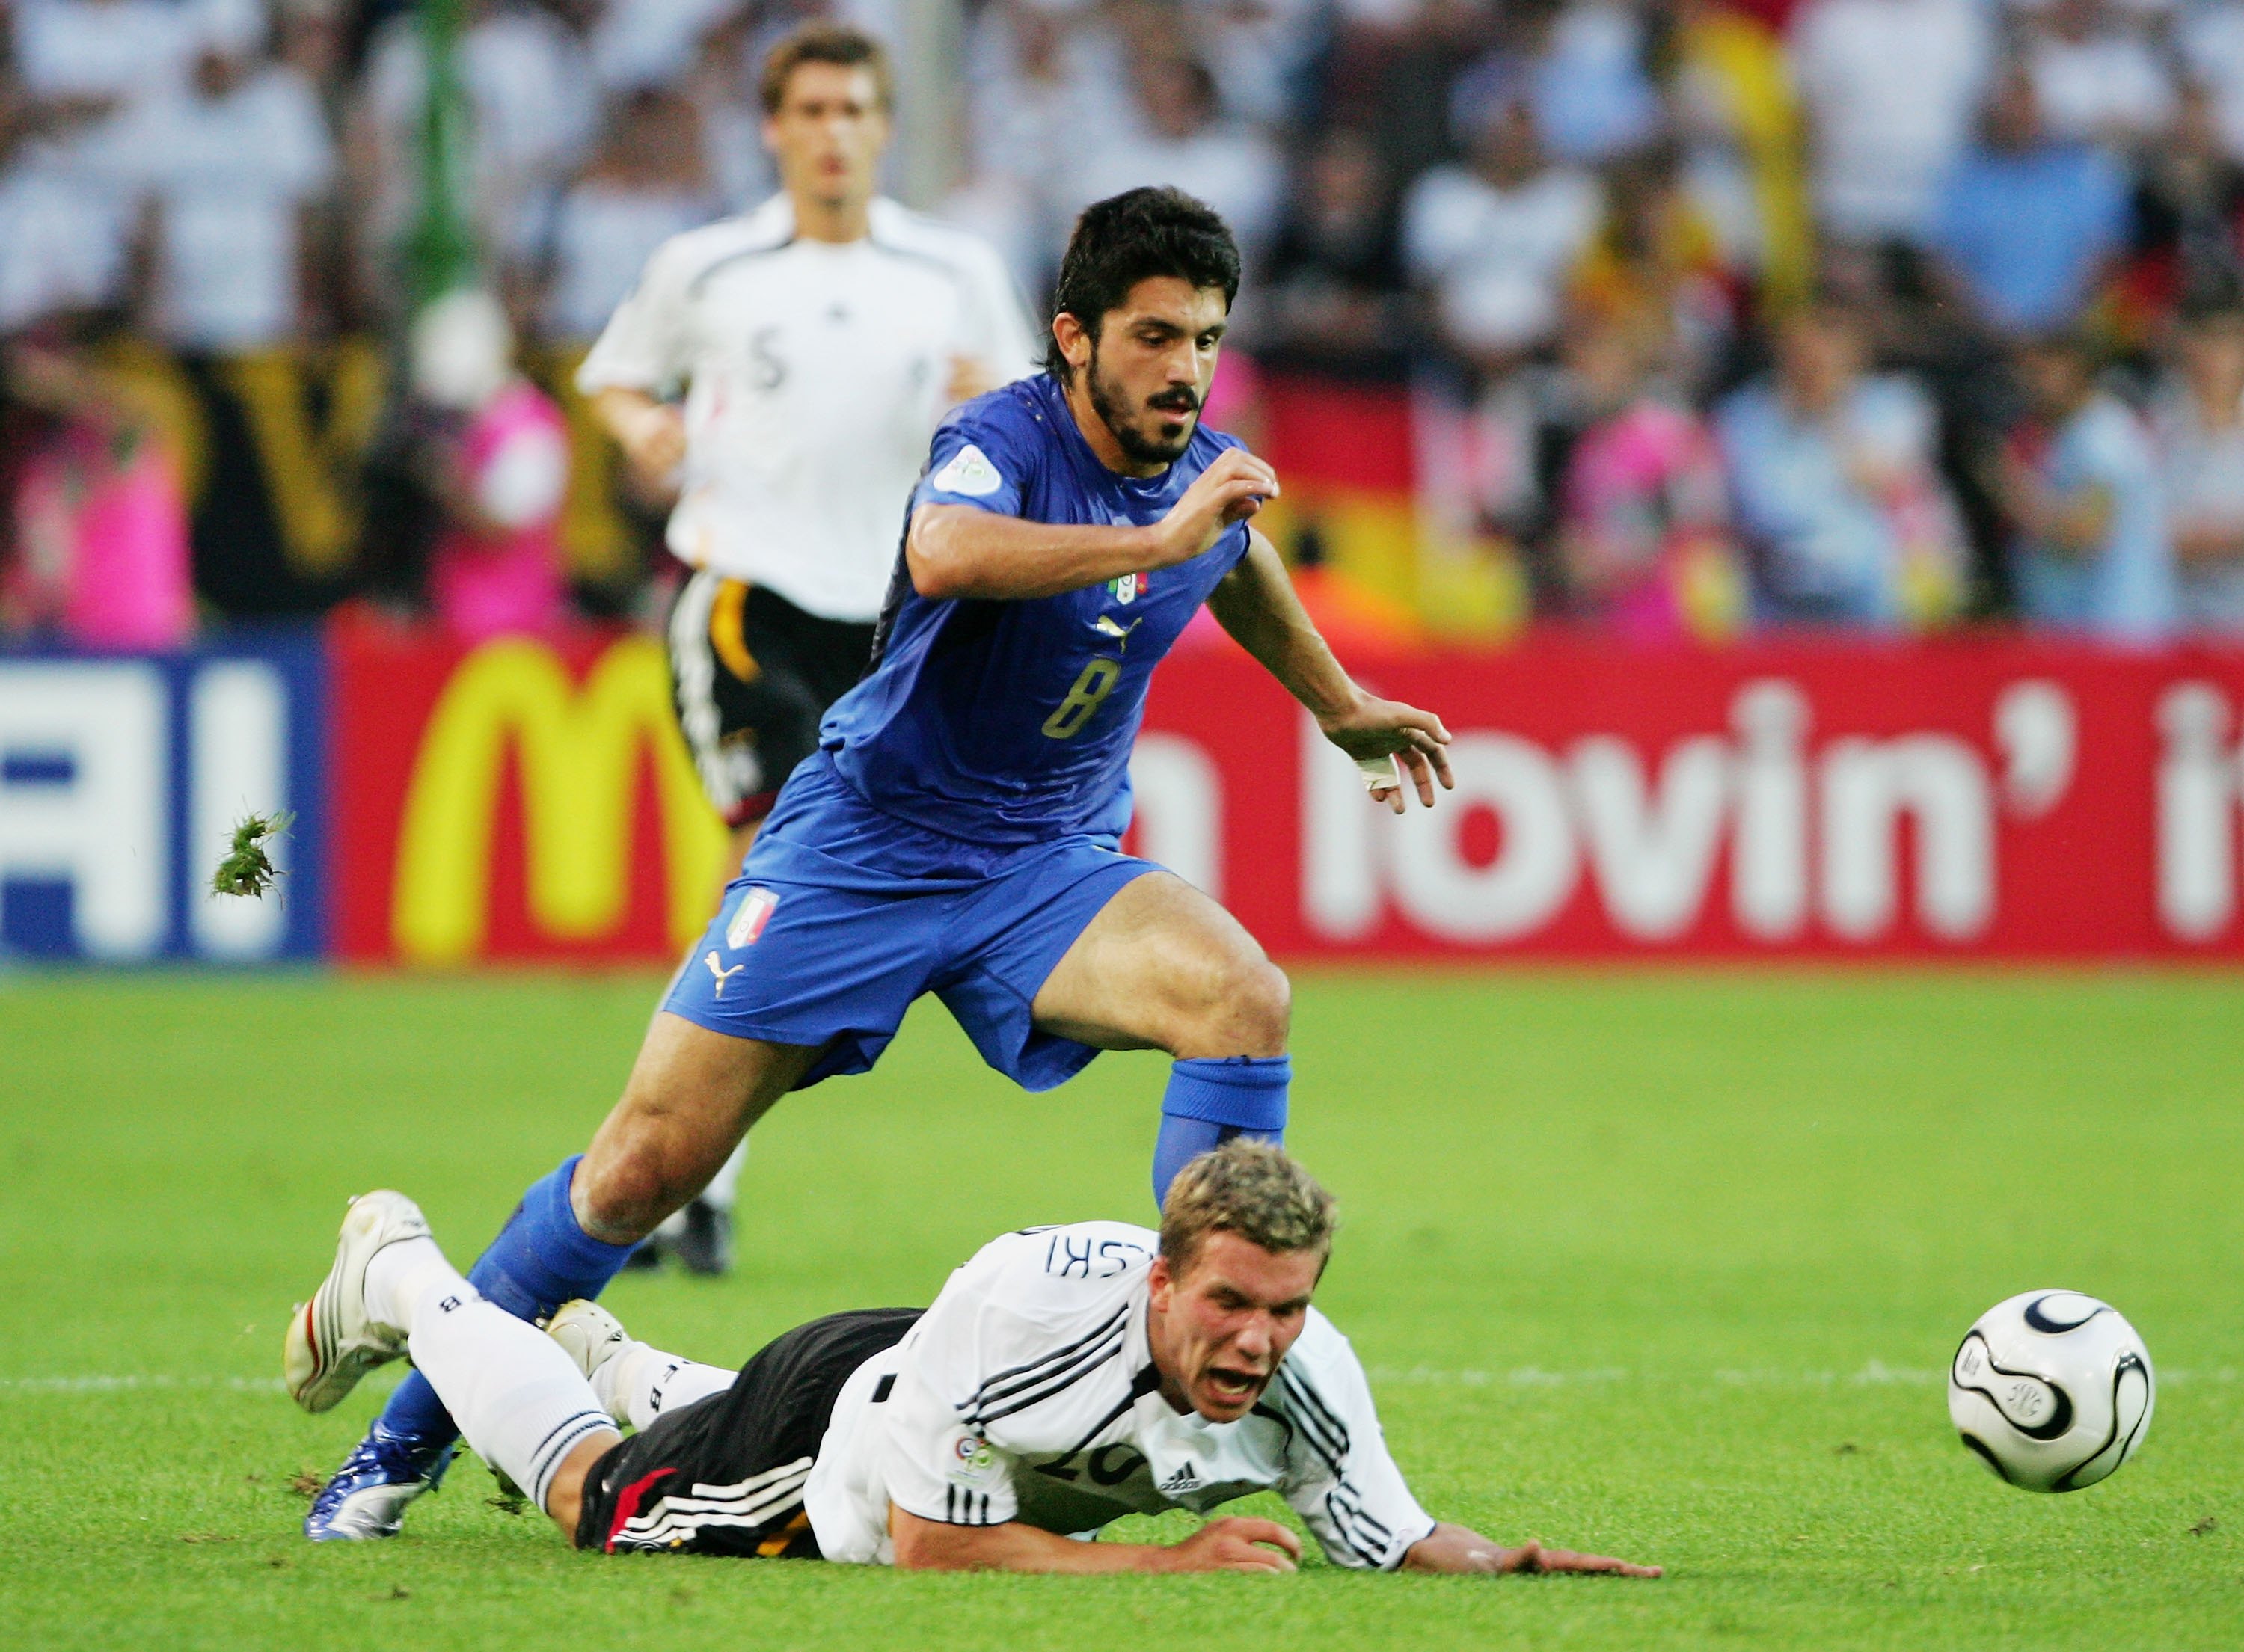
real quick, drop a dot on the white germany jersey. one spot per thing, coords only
(1027, 1393)
(814, 374)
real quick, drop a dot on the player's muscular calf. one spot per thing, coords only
(692, 1096)
(1162, 967)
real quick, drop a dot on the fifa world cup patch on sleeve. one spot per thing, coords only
(970, 472)
(971, 1461)
(749, 918)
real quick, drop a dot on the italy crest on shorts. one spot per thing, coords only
(750, 917)
(1127, 588)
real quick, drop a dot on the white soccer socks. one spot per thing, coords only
(649, 1382)
(516, 1393)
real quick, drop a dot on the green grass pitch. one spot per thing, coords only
(1666, 1266)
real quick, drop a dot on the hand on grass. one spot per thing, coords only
(1237, 1543)
(1459, 1549)
(1531, 1556)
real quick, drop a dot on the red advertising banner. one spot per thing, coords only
(1969, 798)
(530, 799)
(524, 799)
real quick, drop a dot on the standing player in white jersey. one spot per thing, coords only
(1065, 1377)
(816, 343)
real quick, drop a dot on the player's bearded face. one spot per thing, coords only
(1150, 368)
(1218, 1329)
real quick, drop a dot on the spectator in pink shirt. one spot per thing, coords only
(1643, 541)
(95, 551)
(498, 462)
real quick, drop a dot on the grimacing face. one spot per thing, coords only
(1219, 1329)
(829, 132)
(1148, 370)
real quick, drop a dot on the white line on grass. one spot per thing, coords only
(105, 1384)
(1875, 1373)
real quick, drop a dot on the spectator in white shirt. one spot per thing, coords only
(646, 182)
(1890, 88)
(81, 67)
(530, 93)
(2210, 43)
(2095, 77)
(1835, 485)
(231, 167)
(1494, 241)
(1183, 139)
(2197, 427)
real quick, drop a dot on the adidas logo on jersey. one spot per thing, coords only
(1184, 1479)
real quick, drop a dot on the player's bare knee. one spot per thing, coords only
(1237, 1003)
(1262, 1006)
(623, 1193)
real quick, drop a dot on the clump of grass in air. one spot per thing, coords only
(247, 869)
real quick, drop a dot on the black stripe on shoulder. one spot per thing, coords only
(1148, 1381)
(1325, 1416)
(739, 254)
(1334, 1452)
(1057, 1382)
(995, 1386)
(1316, 1402)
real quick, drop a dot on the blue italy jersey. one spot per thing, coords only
(1012, 722)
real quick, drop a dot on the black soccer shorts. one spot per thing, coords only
(751, 675)
(725, 1475)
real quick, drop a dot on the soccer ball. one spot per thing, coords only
(2053, 1390)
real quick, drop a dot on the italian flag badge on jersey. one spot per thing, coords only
(749, 919)
(1128, 589)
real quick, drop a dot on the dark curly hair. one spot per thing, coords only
(1129, 238)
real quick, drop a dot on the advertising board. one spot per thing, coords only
(121, 779)
(1981, 800)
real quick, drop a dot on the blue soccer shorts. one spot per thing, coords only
(844, 915)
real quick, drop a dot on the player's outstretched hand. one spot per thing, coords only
(1379, 734)
(1230, 490)
(1531, 1556)
(1238, 1543)
(1451, 1547)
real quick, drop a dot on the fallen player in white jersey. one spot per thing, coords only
(1065, 1377)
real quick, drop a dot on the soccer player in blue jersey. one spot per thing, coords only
(958, 831)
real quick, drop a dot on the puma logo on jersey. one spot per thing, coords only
(1107, 626)
(722, 975)
(1184, 1479)
(970, 472)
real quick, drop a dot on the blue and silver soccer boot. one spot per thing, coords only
(367, 1496)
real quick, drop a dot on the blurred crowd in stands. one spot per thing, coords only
(1710, 316)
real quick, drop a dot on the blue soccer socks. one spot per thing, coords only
(541, 1259)
(1211, 1100)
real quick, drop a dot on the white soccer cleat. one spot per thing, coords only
(591, 1336)
(332, 1340)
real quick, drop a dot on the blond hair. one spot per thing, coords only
(1250, 1188)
